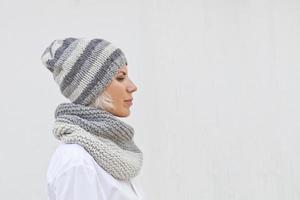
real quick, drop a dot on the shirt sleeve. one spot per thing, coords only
(79, 182)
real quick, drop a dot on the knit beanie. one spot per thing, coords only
(83, 67)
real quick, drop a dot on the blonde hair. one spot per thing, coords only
(103, 101)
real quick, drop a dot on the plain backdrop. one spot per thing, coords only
(217, 108)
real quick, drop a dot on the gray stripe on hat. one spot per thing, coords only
(60, 62)
(98, 78)
(88, 77)
(60, 50)
(107, 78)
(86, 67)
(70, 60)
(79, 62)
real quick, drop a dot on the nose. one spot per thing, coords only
(131, 87)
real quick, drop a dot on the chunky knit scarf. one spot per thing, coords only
(107, 139)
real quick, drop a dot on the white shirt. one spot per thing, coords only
(73, 174)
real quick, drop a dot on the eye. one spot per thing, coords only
(120, 79)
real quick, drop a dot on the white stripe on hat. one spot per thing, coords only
(70, 61)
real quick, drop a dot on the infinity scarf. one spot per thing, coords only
(106, 138)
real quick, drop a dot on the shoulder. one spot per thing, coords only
(67, 156)
(72, 153)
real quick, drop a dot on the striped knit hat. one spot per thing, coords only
(83, 67)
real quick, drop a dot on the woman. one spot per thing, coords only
(97, 158)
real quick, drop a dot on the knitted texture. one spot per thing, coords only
(107, 139)
(83, 67)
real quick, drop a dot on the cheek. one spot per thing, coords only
(117, 93)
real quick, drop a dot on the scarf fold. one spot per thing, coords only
(106, 138)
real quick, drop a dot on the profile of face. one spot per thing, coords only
(117, 96)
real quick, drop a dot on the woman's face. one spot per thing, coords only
(120, 91)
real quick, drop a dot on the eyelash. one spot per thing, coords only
(120, 79)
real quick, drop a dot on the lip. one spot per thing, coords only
(128, 102)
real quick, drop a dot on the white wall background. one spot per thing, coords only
(217, 108)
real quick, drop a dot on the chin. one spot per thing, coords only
(124, 113)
